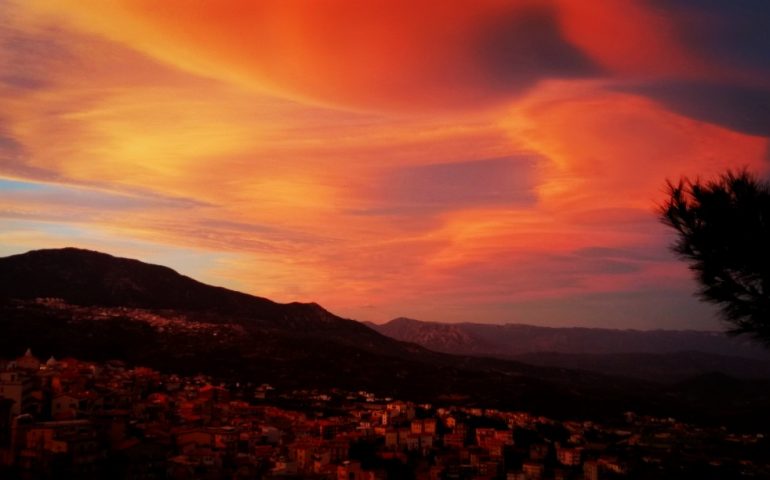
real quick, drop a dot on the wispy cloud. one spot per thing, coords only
(500, 160)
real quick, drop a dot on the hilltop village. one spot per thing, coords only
(69, 418)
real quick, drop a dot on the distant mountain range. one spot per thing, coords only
(71, 302)
(655, 354)
(517, 339)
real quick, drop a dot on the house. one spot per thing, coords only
(533, 470)
(570, 457)
(454, 440)
(48, 447)
(18, 387)
(350, 470)
(65, 406)
(71, 405)
(427, 425)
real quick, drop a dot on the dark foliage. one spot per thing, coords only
(724, 234)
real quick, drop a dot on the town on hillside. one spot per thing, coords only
(69, 418)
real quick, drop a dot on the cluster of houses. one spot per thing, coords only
(72, 419)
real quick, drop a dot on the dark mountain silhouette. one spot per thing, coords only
(72, 302)
(90, 304)
(660, 355)
(84, 277)
(517, 339)
(662, 367)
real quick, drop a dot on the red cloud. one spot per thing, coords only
(384, 54)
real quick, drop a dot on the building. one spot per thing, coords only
(28, 362)
(427, 425)
(591, 470)
(71, 448)
(65, 406)
(350, 470)
(570, 457)
(18, 387)
(533, 470)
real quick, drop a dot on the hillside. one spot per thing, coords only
(518, 339)
(72, 302)
(89, 304)
(659, 355)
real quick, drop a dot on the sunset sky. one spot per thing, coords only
(488, 161)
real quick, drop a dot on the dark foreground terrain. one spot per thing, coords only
(90, 305)
(658, 355)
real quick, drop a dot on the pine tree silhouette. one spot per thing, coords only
(723, 230)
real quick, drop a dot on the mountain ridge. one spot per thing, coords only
(516, 339)
(657, 355)
(99, 291)
(61, 278)
(72, 302)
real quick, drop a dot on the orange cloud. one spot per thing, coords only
(490, 158)
(615, 149)
(628, 37)
(385, 54)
